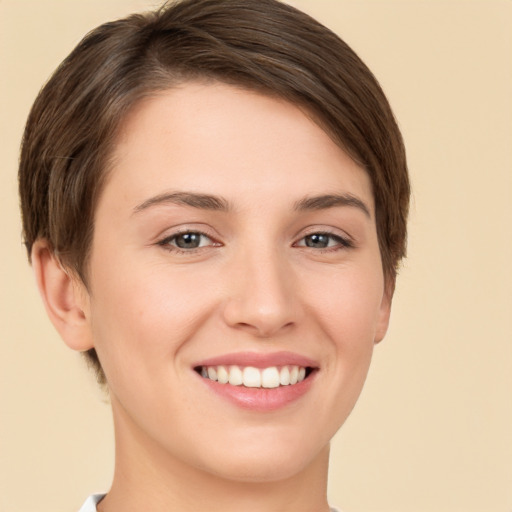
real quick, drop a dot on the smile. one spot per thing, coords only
(251, 377)
(258, 382)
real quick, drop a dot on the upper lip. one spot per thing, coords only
(259, 360)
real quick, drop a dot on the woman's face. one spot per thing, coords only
(233, 241)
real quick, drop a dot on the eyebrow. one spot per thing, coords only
(217, 203)
(324, 202)
(202, 201)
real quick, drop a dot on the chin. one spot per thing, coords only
(271, 462)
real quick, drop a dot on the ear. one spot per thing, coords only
(65, 297)
(384, 311)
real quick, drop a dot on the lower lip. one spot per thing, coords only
(261, 399)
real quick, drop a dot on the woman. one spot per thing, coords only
(214, 199)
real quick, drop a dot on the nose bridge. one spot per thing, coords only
(261, 297)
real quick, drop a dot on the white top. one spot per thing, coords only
(92, 501)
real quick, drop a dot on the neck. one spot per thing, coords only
(146, 478)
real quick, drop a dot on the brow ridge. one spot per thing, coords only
(193, 199)
(217, 203)
(325, 201)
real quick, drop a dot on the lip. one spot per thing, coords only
(260, 399)
(259, 360)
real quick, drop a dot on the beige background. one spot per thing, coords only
(433, 429)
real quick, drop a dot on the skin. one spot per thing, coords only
(152, 311)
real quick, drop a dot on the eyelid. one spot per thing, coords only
(164, 241)
(345, 241)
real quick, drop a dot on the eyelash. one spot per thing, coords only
(166, 243)
(340, 242)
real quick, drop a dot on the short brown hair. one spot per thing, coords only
(262, 45)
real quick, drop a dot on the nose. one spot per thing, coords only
(261, 297)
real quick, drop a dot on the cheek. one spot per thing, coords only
(349, 305)
(141, 315)
(349, 314)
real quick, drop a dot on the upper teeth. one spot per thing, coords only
(251, 377)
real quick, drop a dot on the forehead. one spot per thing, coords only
(225, 140)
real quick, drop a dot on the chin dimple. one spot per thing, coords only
(251, 377)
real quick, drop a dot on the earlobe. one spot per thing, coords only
(384, 312)
(64, 296)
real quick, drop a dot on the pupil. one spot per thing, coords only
(188, 240)
(317, 241)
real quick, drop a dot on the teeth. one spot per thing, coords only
(222, 375)
(270, 377)
(251, 377)
(235, 376)
(294, 375)
(284, 376)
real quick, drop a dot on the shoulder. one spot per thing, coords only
(91, 502)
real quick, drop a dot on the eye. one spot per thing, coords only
(323, 241)
(188, 240)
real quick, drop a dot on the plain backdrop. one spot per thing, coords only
(433, 428)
